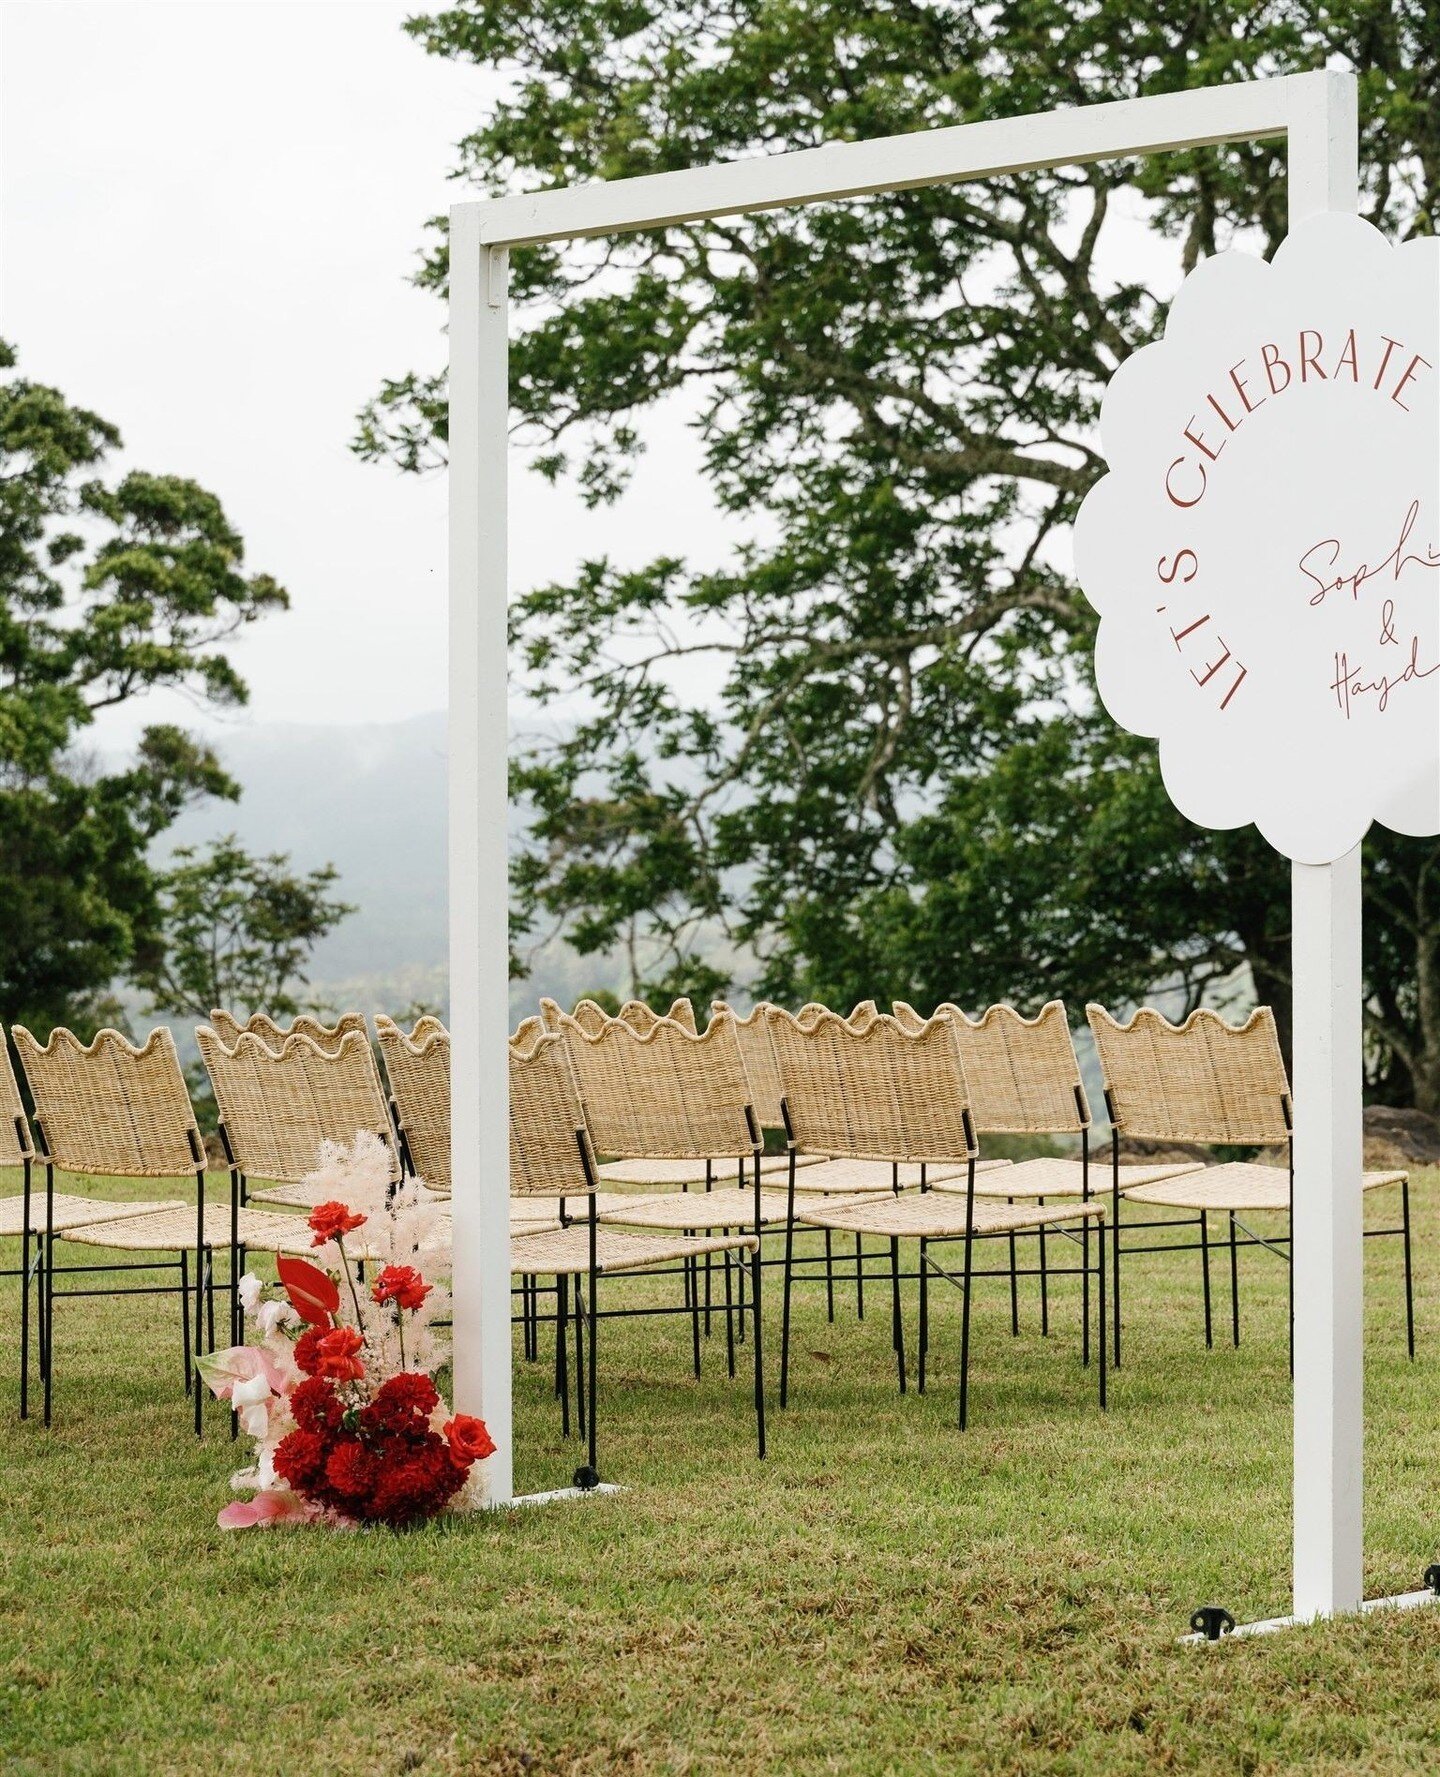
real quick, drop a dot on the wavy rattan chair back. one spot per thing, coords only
(589, 1016)
(227, 1027)
(1200, 1081)
(547, 1121)
(667, 1094)
(753, 1035)
(641, 1017)
(418, 1067)
(278, 1105)
(108, 1107)
(1023, 1073)
(16, 1147)
(872, 1090)
(526, 1030)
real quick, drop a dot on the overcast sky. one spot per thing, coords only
(209, 214)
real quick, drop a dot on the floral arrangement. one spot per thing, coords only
(337, 1388)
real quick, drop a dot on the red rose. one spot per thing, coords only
(315, 1405)
(469, 1440)
(403, 1285)
(337, 1355)
(299, 1458)
(307, 1349)
(330, 1220)
(350, 1469)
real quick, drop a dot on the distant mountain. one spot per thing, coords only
(370, 799)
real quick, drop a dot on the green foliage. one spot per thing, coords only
(903, 784)
(109, 588)
(236, 931)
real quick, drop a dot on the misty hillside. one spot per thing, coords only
(371, 800)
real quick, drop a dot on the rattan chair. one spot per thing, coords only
(551, 1154)
(878, 1091)
(1024, 1078)
(1213, 1083)
(112, 1109)
(20, 1217)
(418, 1068)
(277, 1105)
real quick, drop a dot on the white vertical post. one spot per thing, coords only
(479, 803)
(1327, 1222)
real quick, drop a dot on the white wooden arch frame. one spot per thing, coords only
(1316, 114)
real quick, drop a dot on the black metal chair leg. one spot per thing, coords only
(897, 1323)
(1115, 1268)
(1044, 1282)
(25, 1270)
(968, 1282)
(924, 1345)
(1100, 1303)
(1014, 1287)
(581, 1408)
(829, 1280)
(1085, 1292)
(185, 1319)
(785, 1301)
(562, 1347)
(1234, 1287)
(1205, 1270)
(859, 1277)
(591, 1305)
(48, 1292)
(759, 1371)
(729, 1321)
(1409, 1283)
(694, 1316)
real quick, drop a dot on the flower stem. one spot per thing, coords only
(349, 1278)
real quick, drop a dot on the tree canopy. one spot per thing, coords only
(904, 784)
(110, 586)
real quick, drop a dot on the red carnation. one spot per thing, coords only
(403, 1285)
(350, 1469)
(331, 1220)
(402, 1403)
(299, 1458)
(337, 1355)
(469, 1440)
(307, 1349)
(315, 1404)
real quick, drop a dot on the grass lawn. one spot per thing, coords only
(882, 1594)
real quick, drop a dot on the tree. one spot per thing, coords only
(108, 588)
(904, 389)
(236, 931)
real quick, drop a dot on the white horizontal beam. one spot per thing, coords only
(1247, 110)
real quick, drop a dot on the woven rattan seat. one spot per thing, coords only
(1240, 1185)
(73, 1212)
(852, 1177)
(1057, 1177)
(174, 1230)
(278, 1105)
(659, 1174)
(729, 1207)
(567, 1252)
(932, 1215)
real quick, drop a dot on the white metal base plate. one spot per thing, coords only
(558, 1493)
(1400, 1601)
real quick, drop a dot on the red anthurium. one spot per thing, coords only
(312, 1294)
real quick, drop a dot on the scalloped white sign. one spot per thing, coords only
(1265, 551)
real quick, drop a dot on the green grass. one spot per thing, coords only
(881, 1595)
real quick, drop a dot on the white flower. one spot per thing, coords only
(272, 1316)
(251, 1400)
(251, 1290)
